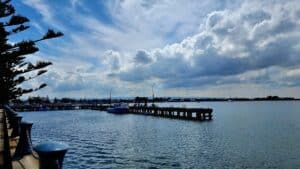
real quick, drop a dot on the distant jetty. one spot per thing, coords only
(198, 114)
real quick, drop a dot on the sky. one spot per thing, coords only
(207, 48)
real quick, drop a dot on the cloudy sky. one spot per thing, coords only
(207, 48)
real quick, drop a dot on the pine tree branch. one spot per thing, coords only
(6, 9)
(22, 79)
(31, 67)
(16, 20)
(21, 91)
(12, 56)
(50, 34)
(23, 64)
(18, 29)
(25, 44)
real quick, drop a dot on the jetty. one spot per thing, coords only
(198, 114)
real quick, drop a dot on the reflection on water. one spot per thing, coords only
(241, 135)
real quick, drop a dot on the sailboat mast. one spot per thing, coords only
(110, 97)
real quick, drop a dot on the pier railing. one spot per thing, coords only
(17, 152)
(5, 155)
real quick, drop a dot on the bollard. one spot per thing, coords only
(24, 146)
(10, 116)
(10, 112)
(51, 155)
(15, 125)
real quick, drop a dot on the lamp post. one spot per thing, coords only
(109, 97)
(153, 94)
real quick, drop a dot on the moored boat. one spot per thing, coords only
(120, 108)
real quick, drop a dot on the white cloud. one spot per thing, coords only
(40, 6)
(111, 60)
(179, 45)
(230, 45)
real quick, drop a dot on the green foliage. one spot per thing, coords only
(13, 67)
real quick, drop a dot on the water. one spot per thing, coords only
(241, 135)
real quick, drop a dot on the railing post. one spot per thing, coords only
(10, 115)
(24, 146)
(51, 155)
(15, 125)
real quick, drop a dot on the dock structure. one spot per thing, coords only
(198, 114)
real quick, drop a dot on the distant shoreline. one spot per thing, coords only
(149, 100)
(40, 104)
(240, 99)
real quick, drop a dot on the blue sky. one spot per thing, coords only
(209, 48)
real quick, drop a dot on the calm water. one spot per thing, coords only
(241, 135)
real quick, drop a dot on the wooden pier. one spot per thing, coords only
(199, 114)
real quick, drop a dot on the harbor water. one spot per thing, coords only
(241, 135)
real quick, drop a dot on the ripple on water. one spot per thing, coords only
(236, 138)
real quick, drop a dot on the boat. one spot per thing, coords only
(119, 108)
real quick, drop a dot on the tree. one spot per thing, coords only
(14, 69)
